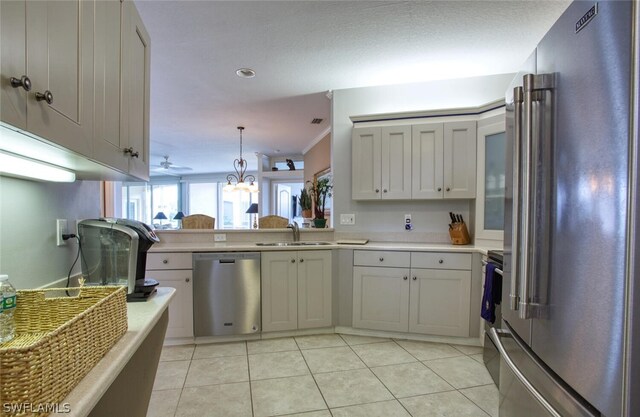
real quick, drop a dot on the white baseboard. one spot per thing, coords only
(468, 341)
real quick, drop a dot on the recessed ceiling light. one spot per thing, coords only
(246, 73)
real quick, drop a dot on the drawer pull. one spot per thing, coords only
(441, 261)
(301, 260)
(293, 261)
(405, 278)
(381, 259)
(187, 279)
(415, 278)
(165, 261)
(439, 188)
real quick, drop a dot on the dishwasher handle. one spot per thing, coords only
(225, 257)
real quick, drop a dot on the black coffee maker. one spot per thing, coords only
(114, 252)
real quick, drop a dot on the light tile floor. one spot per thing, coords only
(323, 376)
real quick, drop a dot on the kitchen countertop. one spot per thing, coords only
(248, 246)
(142, 317)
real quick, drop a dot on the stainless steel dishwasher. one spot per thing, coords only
(226, 293)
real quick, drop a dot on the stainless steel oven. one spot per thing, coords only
(491, 355)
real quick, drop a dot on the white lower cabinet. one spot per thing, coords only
(381, 298)
(175, 270)
(439, 302)
(433, 299)
(296, 290)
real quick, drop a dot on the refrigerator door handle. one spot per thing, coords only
(514, 297)
(533, 86)
(493, 334)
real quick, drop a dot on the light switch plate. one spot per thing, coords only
(349, 219)
(219, 237)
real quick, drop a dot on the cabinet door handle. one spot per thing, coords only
(301, 260)
(448, 189)
(384, 191)
(415, 278)
(187, 279)
(23, 82)
(46, 96)
(377, 190)
(130, 151)
(405, 278)
(441, 261)
(165, 261)
(381, 259)
(439, 188)
(293, 261)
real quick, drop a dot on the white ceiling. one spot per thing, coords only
(301, 49)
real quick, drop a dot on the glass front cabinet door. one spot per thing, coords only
(491, 181)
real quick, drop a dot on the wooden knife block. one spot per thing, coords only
(459, 234)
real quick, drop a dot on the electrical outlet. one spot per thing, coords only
(407, 222)
(349, 219)
(219, 237)
(61, 229)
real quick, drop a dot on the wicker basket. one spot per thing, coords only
(58, 340)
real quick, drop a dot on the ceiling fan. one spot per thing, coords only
(167, 167)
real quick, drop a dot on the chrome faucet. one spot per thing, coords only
(296, 230)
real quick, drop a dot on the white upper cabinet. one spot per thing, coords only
(491, 179)
(444, 160)
(76, 74)
(420, 161)
(108, 140)
(13, 63)
(427, 150)
(460, 160)
(59, 50)
(366, 164)
(381, 163)
(136, 87)
(396, 162)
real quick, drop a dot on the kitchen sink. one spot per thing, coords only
(292, 243)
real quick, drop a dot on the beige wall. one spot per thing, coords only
(28, 213)
(317, 158)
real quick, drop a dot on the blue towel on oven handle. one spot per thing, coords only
(492, 293)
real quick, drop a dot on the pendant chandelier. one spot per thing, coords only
(241, 182)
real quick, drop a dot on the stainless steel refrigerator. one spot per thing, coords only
(570, 303)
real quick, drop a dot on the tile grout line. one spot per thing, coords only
(184, 383)
(313, 377)
(383, 384)
(246, 350)
(471, 399)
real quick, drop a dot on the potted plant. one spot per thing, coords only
(319, 190)
(305, 203)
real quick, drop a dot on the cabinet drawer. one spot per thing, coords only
(441, 260)
(177, 260)
(381, 258)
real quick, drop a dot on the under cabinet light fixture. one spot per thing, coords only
(19, 166)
